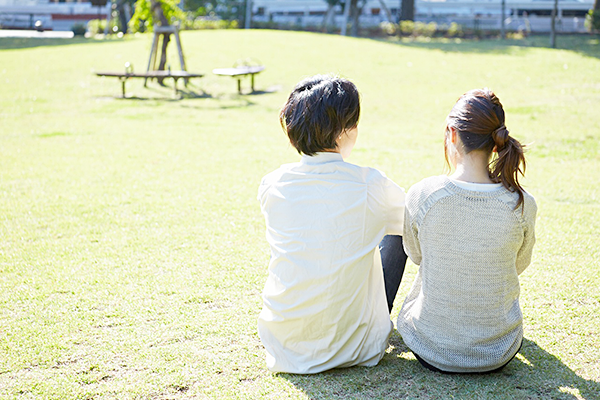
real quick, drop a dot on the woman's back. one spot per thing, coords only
(463, 314)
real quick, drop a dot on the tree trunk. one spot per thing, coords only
(408, 10)
(594, 16)
(161, 20)
(386, 10)
(158, 14)
(553, 25)
(327, 17)
(355, 14)
(122, 15)
(345, 19)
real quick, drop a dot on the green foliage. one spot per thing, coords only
(592, 21)
(455, 30)
(200, 7)
(143, 18)
(79, 29)
(407, 27)
(411, 28)
(223, 9)
(425, 29)
(98, 26)
(201, 23)
(388, 28)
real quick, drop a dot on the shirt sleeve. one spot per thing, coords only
(395, 202)
(526, 250)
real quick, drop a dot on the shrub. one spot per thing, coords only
(423, 29)
(455, 30)
(388, 28)
(79, 29)
(407, 27)
(205, 23)
(97, 26)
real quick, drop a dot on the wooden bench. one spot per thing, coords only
(175, 75)
(239, 72)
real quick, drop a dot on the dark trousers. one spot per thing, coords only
(432, 368)
(393, 259)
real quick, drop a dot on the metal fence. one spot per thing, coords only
(534, 23)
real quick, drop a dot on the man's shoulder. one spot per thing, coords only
(275, 175)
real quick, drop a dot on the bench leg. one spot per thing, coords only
(239, 85)
(123, 85)
(175, 85)
(252, 82)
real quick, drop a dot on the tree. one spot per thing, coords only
(593, 17)
(199, 7)
(331, 5)
(356, 7)
(150, 12)
(226, 9)
(407, 10)
(120, 7)
(553, 25)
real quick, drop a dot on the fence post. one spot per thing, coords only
(502, 18)
(553, 25)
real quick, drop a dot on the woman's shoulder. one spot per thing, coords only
(528, 198)
(429, 185)
(529, 204)
(426, 193)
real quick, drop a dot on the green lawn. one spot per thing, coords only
(132, 250)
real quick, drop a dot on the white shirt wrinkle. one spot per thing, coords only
(324, 299)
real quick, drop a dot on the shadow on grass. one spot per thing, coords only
(26, 43)
(534, 374)
(165, 93)
(587, 45)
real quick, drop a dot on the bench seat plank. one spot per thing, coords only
(176, 75)
(239, 72)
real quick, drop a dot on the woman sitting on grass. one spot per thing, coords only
(324, 299)
(472, 233)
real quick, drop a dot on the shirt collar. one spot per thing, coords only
(321, 158)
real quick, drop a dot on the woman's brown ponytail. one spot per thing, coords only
(478, 116)
(508, 163)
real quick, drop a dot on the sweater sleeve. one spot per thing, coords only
(524, 254)
(410, 239)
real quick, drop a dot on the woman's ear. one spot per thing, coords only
(452, 134)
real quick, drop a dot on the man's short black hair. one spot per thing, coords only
(319, 109)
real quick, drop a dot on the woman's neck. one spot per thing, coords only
(472, 167)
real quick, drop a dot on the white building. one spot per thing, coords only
(486, 14)
(53, 14)
(62, 14)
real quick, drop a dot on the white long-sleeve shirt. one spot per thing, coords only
(324, 299)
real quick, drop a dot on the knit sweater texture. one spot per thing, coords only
(462, 313)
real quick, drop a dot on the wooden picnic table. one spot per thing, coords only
(175, 75)
(239, 72)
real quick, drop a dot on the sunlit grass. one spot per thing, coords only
(132, 251)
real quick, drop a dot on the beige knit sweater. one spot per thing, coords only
(462, 313)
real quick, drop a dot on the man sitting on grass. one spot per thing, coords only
(325, 300)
